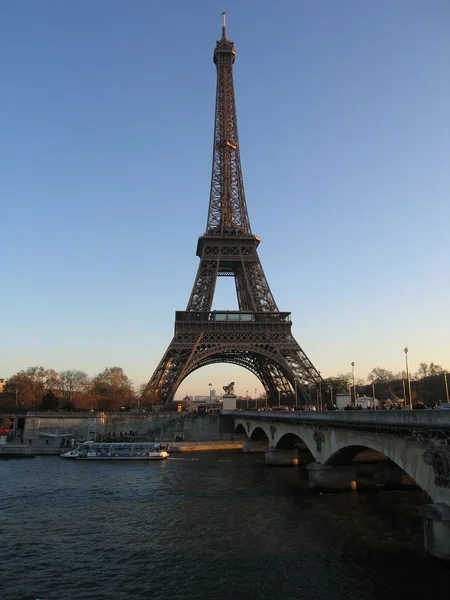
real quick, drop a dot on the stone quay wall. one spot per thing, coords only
(162, 426)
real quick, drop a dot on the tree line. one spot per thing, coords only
(39, 388)
(428, 384)
(45, 389)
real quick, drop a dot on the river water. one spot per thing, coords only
(212, 525)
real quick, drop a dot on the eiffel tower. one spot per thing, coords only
(257, 336)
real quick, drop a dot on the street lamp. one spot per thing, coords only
(246, 397)
(354, 387)
(320, 391)
(256, 401)
(210, 386)
(296, 399)
(405, 350)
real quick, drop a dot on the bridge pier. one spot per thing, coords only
(331, 477)
(383, 475)
(436, 529)
(283, 458)
(254, 446)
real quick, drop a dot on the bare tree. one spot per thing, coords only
(380, 375)
(31, 384)
(429, 370)
(73, 386)
(436, 370)
(112, 388)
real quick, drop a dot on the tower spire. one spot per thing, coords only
(227, 207)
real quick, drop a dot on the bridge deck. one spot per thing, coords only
(385, 419)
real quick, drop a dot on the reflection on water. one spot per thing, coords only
(217, 525)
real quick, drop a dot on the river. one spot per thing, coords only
(210, 525)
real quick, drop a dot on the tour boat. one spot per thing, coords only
(118, 451)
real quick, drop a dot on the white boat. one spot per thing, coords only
(118, 451)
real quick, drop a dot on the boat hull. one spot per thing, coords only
(122, 457)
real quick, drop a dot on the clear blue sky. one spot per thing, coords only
(105, 153)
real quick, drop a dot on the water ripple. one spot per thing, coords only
(221, 526)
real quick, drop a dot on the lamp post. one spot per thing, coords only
(330, 389)
(256, 401)
(246, 397)
(296, 397)
(210, 386)
(354, 387)
(320, 391)
(446, 386)
(405, 350)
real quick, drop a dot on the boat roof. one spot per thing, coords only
(121, 443)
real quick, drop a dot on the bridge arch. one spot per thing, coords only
(254, 430)
(401, 453)
(347, 454)
(288, 441)
(293, 440)
(239, 429)
(259, 433)
(337, 445)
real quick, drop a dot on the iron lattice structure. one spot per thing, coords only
(257, 336)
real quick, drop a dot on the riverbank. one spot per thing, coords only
(205, 446)
(16, 451)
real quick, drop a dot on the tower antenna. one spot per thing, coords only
(224, 25)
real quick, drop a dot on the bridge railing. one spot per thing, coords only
(411, 419)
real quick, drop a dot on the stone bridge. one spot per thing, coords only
(417, 442)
